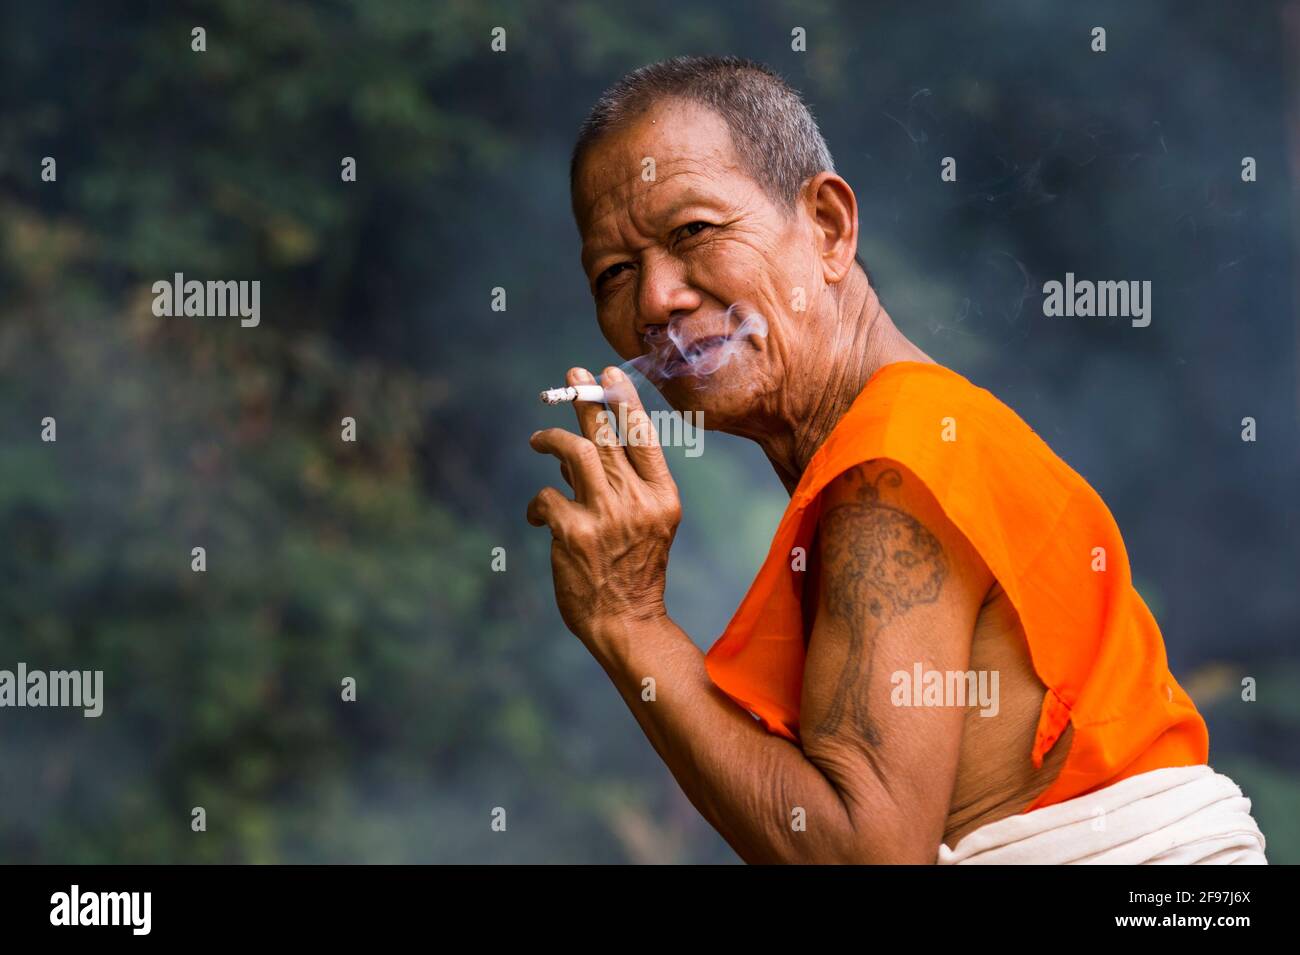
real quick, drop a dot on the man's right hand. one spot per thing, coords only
(609, 553)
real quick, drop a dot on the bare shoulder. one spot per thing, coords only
(882, 503)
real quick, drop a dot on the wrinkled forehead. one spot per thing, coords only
(647, 170)
(637, 206)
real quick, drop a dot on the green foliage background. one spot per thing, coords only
(372, 560)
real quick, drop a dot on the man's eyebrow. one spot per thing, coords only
(690, 198)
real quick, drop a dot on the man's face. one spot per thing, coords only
(677, 263)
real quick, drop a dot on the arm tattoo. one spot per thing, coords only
(879, 563)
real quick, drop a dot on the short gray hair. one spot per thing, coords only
(772, 130)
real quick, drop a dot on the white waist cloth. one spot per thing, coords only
(1186, 815)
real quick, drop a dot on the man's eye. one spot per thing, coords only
(693, 228)
(610, 272)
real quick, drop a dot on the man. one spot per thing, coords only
(929, 532)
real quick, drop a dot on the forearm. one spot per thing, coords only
(745, 781)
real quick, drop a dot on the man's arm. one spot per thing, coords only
(900, 585)
(745, 781)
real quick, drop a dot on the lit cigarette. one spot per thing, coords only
(558, 396)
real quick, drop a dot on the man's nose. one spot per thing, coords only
(663, 292)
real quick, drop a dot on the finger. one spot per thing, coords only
(587, 411)
(598, 426)
(551, 508)
(586, 473)
(641, 440)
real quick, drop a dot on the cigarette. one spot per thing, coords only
(557, 396)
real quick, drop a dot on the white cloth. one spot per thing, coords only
(1186, 815)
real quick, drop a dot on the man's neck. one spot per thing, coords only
(866, 340)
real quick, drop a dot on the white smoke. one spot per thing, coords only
(698, 346)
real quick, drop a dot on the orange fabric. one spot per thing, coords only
(1035, 522)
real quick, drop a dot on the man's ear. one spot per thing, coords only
(834, 211)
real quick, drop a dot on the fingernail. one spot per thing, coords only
(614, 374)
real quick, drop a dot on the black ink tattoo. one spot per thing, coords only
(879, 562)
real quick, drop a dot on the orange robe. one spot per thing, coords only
(1037, 524)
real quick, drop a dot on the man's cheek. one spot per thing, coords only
(622, 338)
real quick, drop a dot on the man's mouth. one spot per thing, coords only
(681, 361)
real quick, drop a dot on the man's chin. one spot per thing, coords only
(714, 404)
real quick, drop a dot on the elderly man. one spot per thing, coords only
(932, 540)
